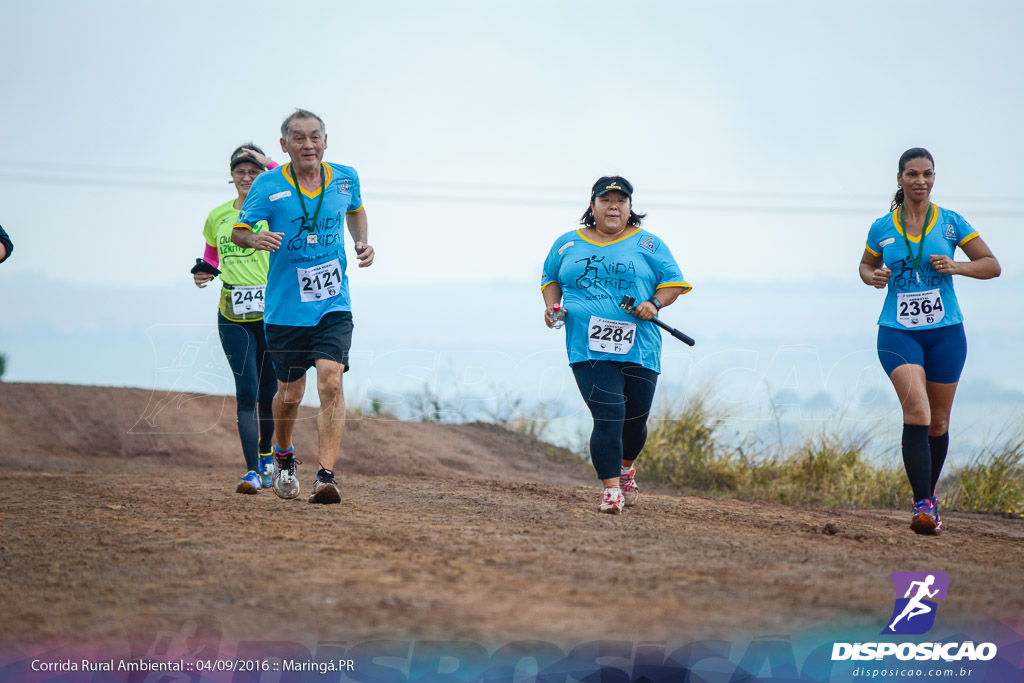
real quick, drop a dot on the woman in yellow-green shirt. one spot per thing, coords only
(243, 273)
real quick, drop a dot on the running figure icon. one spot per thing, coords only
(916, 607)
(590, 273)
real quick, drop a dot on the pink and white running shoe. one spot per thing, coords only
(612, 501)
(630, 491)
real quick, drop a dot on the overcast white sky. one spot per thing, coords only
(762, 139)
(478, 127)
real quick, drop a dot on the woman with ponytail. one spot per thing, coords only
(921, 341)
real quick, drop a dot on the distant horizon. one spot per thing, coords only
(822, 365)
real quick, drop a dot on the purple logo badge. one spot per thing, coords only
(914, 612)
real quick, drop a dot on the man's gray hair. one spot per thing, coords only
(301, 114)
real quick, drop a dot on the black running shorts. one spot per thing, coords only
(294, 349)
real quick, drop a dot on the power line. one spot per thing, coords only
(514, 195)
(188, 176)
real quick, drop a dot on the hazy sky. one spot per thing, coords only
(762, 139)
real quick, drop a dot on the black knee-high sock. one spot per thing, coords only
(917, 460)
(938, 445)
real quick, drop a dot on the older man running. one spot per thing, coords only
(308, 312)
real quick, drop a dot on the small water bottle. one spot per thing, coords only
(557, 317)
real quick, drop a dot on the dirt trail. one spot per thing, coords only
(467, 532)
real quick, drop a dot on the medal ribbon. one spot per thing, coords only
(915, 261)
(302, 202)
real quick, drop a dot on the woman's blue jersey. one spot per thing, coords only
(923, 298)
(594, 278)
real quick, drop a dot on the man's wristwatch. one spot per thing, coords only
(657, 304)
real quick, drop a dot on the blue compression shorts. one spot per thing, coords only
(941, 351)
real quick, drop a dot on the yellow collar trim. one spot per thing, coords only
(927, 229)
(605, 244)
(328, 176)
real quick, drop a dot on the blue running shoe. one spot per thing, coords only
(939, 526)
(925, 520)
(266, 466)
(250, 483)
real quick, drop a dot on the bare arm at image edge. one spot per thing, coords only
(358, 226)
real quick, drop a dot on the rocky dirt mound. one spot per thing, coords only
(59, 422)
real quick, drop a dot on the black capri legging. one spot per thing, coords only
(245, 345)
(619, 396)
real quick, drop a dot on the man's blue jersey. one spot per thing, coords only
(307, 276)
(594, 278)
(919, 299)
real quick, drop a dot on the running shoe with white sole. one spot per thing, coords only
(250, 483)
(939, 526)
(286, 483)
(266, 465)
(924, 520)
(630, 491)
(612, 501)
(325, 489)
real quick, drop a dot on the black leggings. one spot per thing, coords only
(245, 345)
(619, 396)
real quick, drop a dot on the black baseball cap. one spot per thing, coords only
(239, 156)
(612, 183)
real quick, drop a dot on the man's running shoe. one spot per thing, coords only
(939, 526)
(266, 466)
(630, 491)
(611, 501)
(286, 483)
(924, 520)
(250, 483)
(325, 489)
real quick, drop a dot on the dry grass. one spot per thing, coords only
(687, 450)
(994, 479)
